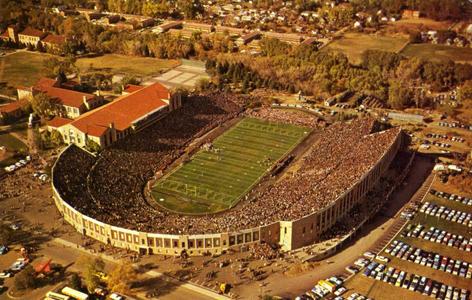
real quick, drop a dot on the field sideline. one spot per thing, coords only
(218, 176)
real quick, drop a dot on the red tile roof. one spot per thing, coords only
(123, 111)
(32, 32)
(55, 39)
(14, 106)
(65, 96)
(131, 88)
(58, 122)
(5, 35)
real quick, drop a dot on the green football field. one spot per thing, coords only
(218, 176)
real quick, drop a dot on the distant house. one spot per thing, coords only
(310, 41)
(10, 34)
(167, 26)
(231, 30)
(192, 26)
(74, 103)
(405, 117)
(247, 38)
(53, 41)
(31, 36)
(411, 14)
(291, 38)
(12, 111)
(469, 30)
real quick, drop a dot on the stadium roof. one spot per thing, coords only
(122, 112)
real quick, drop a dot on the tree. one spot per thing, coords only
(6, 234)
(56, 138)
(44, 106)
(75, 282)
(92, 267)
(122, 278)
(92, 146)
(26, 279)
(190, 8)
(398, 95)
(465, 92)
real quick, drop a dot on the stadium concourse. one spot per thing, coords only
(102, 197)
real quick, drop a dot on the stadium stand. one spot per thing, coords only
(103, 197)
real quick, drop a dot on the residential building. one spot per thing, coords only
(54, 42)
(12, 111)
(31, 36)
(74, 103)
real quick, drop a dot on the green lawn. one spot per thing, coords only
(216, 178)
(438, 52)
(131, 65)
(353, 45)
(12, 145)
(20, 69)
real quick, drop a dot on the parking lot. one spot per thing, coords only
(428, 258)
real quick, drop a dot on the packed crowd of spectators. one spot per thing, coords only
(115, 184)
(293, 117)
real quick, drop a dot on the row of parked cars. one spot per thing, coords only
(452, 197)
(330, 286)
(410, 211)
(18, 165)
(438, 144)
(445, 137)
(430, 259)
(15, 267)
(443, 212)
(455, 125)
(439, 236)
(414, 283)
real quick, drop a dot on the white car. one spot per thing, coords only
(6, 275)
(340, 291)
(369, 255)
(116, 296)
(382, 258)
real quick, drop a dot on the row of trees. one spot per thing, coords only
(389, 77)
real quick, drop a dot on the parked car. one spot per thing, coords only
(3, 249)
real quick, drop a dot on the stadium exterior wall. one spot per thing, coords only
(307, 230)
(289, 235)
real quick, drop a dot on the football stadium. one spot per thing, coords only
(212, 175)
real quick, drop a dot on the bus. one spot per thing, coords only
(74, 293)
(56, 296)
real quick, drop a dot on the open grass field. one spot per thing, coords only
(439, 53)
(134, 66)
(12, 144)
(20, 69)
(354, 44)
(215, 179)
